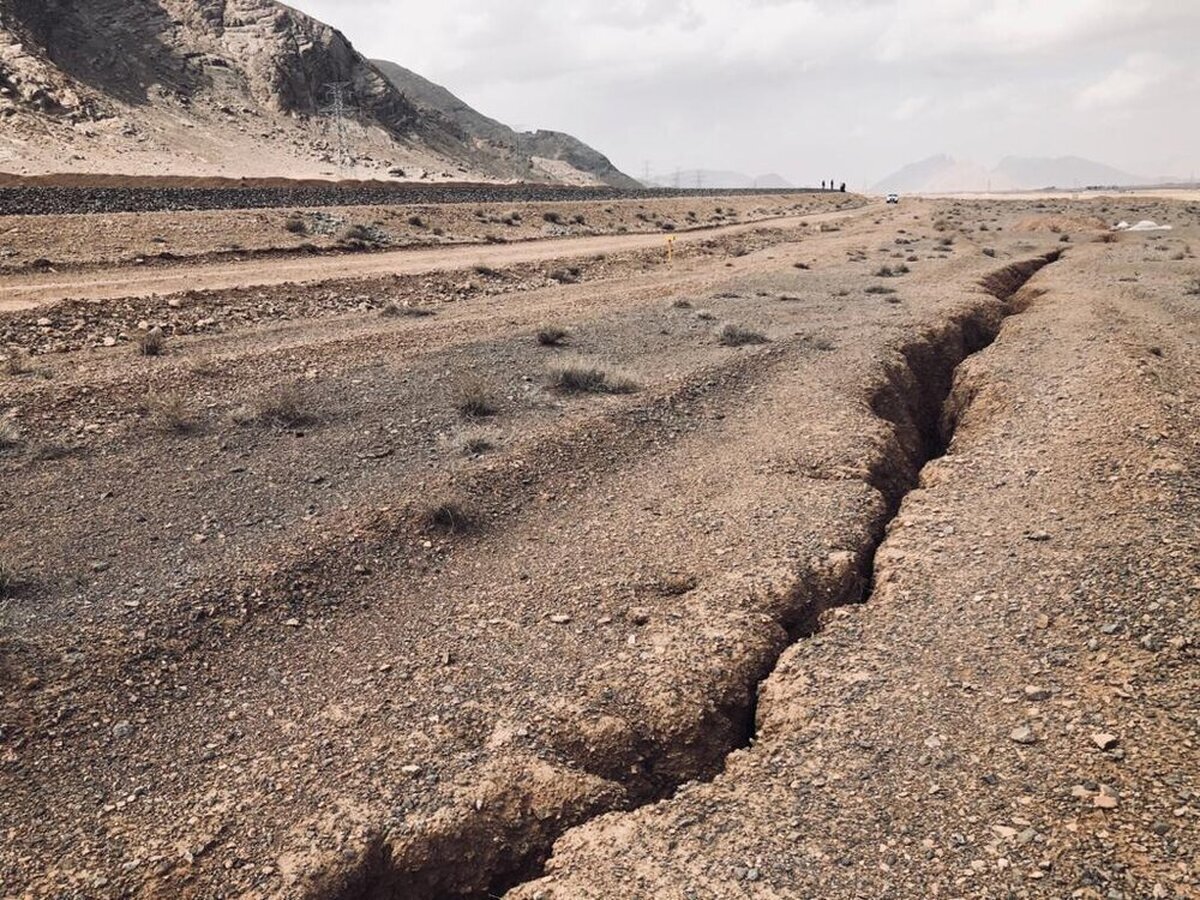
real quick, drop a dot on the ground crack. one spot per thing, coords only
(485, 860)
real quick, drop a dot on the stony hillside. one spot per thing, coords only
(543, 154)
(209, 87)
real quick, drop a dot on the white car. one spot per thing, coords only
(893, 198)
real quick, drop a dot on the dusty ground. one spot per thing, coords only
(353, 242)
(327, 603)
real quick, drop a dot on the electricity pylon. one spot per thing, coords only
(338, 109)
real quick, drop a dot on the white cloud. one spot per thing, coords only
(910, 108)
(1125, 84)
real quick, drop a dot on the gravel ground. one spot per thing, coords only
(42, 200)
(336, 604)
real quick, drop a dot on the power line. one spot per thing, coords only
(338, 110)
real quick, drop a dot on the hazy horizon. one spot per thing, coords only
(811, 89)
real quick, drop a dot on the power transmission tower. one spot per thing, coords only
(339, 107)
(699, 180)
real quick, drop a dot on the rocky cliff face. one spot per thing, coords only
(532, 150)
(208, 87)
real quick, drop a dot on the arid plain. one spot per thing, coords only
(780, 545)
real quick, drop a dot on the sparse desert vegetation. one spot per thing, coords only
(582, 377)
(283, 406)
(151, 342)
(474, 399)
(552, 335)
(733, 335)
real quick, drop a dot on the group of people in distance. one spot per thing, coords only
(833, 187)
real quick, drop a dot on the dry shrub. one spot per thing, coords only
(152, 342)
(296, 225)
(447, 517)
(8, 578)
(10, 433)
(474, 399)
(552, 336)
(395, 310)
(585, 378)
(284, 406)
(732, 335)
(478, 441)
(170, 414)
(17, 363)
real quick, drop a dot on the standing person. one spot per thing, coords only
(843, 187)
(822, 185)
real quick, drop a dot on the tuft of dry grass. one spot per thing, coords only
(284, 406)
(478, 441)
(474, 399)
(585, 378)
(206, 367)
(681, 303)
(395, 310)
(446, 517)
(552, 335)
(17, 364)
(731, 335)
(1193, 289)
(568, 275)
(152, 342)
(296, 225)
(170, 414)
(10, 432)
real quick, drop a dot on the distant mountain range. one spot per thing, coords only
(712, 178)
(943, 174)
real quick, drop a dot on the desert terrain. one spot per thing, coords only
(830, 549)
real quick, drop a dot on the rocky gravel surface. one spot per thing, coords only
(42, 200)
(330, 603)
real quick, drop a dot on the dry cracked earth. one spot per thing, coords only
(848, 558)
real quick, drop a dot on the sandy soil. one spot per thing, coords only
(321, 602)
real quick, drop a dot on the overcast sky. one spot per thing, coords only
(813, 88)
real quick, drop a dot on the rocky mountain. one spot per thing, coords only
(943, 174)
(543, 154)
(1062, 172)
(216, 87)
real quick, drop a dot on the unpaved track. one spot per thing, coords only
(343, 658)
(30, 290)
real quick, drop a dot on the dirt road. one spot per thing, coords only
(29, 290)
(553, 589)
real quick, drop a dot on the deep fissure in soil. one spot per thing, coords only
(912, 397)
